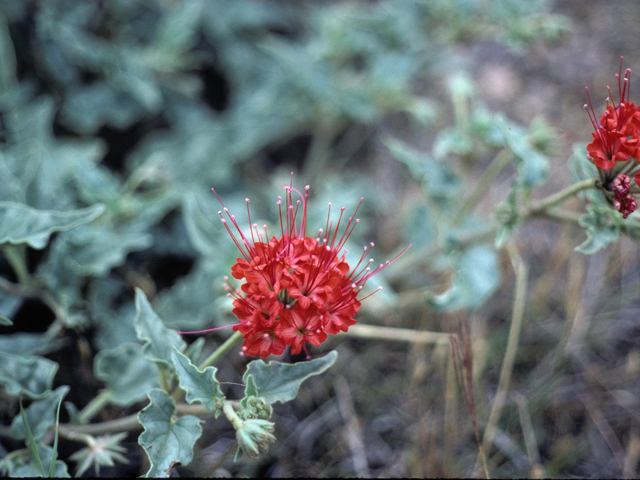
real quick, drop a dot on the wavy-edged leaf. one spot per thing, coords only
(599, 227)
(532, 165)
(279, 382)
(200, 385)
(166, 440)
(22, 224)
(25, 344)
(158, 339)
(477, 277)
(128, 374)
(95, 251)
(32, 376)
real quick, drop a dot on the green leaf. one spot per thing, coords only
(16, 467)
(419, 226)
(158, 339)
(26, 344)
(128, 374)
(601, 230)
(477, 277)
(32, 376)
(250, 390)
(532, 165)
(508, 217)
(164, 439)
(41, 415)
(22, 224)
(95, 251)
(437, 178)
(581, 167)
(279, 382)
(105, 105)
(203, 232)
(193, 302)
(201, 386)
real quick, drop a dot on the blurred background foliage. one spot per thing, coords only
(117, 117)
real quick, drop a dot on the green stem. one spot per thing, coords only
(127, 423)
(508, 362)
(15, 257)
(562, 195)
(559, 214)
(220, 351)
(95, 406)
(231, 414)
(76, 436)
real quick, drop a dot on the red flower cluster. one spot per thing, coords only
(615, 148)
(297, 288)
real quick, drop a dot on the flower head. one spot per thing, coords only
(624, 202)
(254, 436)
(615, 148)
(297, 288)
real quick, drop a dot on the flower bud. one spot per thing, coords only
(257, 407)
(254, 436)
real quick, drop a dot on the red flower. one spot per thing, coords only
(616, 135)
(615, 147)
(297, 288)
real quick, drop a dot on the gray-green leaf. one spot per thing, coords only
(164, 439)
(477, 277)
(32, 376)
(95, 251)
(158, 339)
(279, 382)
(127, 373)
(201, 386)
(22, 224)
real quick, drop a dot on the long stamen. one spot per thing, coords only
(594, 119)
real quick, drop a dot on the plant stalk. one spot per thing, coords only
(220, 351)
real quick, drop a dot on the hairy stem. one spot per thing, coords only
(95, 405)
(552, 200)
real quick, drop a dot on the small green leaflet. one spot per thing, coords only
(201, 386)
(165, 439)
(279, 382)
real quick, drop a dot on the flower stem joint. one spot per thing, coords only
(254, 435)
(297, 288)
(614, 149)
